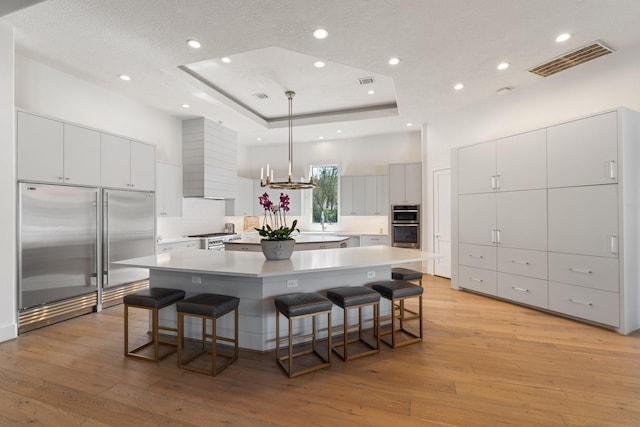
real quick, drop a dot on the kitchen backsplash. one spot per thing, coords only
(198, 216)
(355, 224)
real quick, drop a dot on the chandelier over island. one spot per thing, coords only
(289, 184)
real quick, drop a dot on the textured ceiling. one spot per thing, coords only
(439, 43)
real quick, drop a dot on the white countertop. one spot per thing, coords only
(254, 264)
(300, 238)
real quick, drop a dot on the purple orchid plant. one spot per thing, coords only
(274, 225)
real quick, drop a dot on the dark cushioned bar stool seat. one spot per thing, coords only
(397, 291)
(351, 297)
(152, 299)
(208, 307)
(401, 273)
(298, 306)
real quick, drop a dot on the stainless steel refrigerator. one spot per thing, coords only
(65, 240)
(128, 231)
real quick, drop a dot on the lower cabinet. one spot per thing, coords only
(162, 248)
(585, 303)
(525, 290)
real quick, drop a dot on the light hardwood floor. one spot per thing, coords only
(482, 363)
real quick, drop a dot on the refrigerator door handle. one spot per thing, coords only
(105, 239)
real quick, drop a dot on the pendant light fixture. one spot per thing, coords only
(289, 184)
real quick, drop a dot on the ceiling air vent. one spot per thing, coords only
(571, 59)
(261, 95)
(366, 81)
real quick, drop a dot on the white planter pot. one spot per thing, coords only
(277, 249)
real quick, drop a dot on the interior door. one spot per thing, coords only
(442, 221)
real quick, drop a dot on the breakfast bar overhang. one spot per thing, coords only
(256, 281)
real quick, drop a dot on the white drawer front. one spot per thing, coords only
(586, 303)
(523, 262)
(478, 280)
(526, 290)
(583, 270)
(477, 256)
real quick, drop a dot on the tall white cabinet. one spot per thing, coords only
(550, 219)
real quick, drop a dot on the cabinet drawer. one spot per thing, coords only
(523, 262)
(477, 256)
(374, 240)
(593, 272)
(591, 304)
(526, 290)
(177, 246)
(478, 280)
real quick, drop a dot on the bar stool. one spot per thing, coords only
(397, 291)
(351, 297)
(152, 299)
(298, 306)
(401, 273)
(208, 307)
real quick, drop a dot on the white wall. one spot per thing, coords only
(580, 91)
(8, 324)
(46, 90)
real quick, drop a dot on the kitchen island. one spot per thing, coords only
(304, 242)
(256, 281)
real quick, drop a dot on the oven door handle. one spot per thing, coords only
(400, 224)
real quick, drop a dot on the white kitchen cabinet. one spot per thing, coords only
(169, 189)
(405, 183)
(127, 164)
(177, 246)
(575, 242)
(584, 220)
(374, 240)
(514, 163)
(584, 152)
(243, 203)
(376, 195)
(56, 152)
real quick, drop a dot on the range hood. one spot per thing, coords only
(209, 159)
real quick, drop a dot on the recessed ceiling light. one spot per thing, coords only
(503, 66)
(124, 77)
(394, 61)
(409, 124)
(371, 91)
(225, 59)
(321, 137)
(563, 37)
(259, 139)
(458, 86)
(319, 64)
(321, 34)
(338, 131)
(194, 43)
(186, 106)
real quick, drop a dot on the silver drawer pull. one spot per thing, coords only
(515, 288)
(577, 270)
(476, 256)
(476, 280)
(581, 302)
(515, 261)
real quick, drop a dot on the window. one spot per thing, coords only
(325, 194)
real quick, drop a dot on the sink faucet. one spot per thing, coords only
(322, 221)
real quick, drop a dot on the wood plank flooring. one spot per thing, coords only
(482, 363)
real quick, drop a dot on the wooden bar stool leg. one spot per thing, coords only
(156, 343)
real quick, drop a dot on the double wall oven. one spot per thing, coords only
(405, 226)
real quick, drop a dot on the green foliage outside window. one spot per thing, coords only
(325, 194)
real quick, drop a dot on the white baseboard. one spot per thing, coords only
(8, 332)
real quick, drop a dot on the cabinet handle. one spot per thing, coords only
(577, 270)
(67, 179)
(613, 244)
(612, 169)
(493, 236)
(515, 288)
(493, 182)
(476, 256)
(132, 185)
(61, 178)
(515, 261)
(498, 239)
(476, 280)
(581, 302)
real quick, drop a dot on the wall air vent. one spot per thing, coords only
(366, 81)
(261, 95)
(571, 59)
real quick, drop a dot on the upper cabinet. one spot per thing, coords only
(52, 151)
(405, 183)
(127, 164)
(364, 195)
(514, 163)
(584, 152)
(168, 189)
(243, 204)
